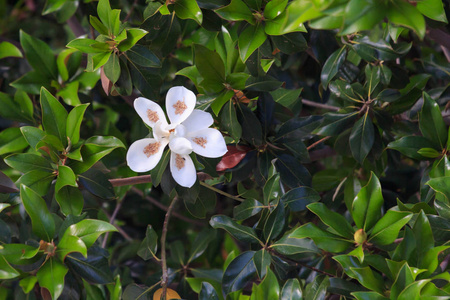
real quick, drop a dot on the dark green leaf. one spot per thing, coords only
(298, 198)
(431, 122)
(54, 116)
(387, 228)
(262, 261)
(275, 223)
(332, 65)
(149, 245)
(317, 289)
(246, 209)
(362, 138)
(366, 208)
(142, 56)
(292, 172)
(336, 221)
(242, 233)
(230, 122)
(94, 268)
(112, 68)
(323, 239)
(409, 146)
(97, 183)
(39, 55)
(250, 40)
(239, 272)
(291, 290)
(209, 64)
(207, 292)
(236, 11)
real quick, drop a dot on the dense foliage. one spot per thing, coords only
(336, 183)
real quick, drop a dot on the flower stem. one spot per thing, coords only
(221, 192)
(318, 142)
(165, 275)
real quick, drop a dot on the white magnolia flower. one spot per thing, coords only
(188, 131)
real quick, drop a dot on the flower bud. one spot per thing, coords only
(360, 236)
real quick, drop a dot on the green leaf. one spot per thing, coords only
(89, 230)
(403, 13)
(41, 220)
(112, 68)
(149, 245)
(362, 138)
(98, 25)
(208, 292)
(73, 123)
(31, 83)
(94, 149)
(12, 140)
(272, 189)
(368, 296)
(298, 198)
(387, 228)
(54, 116)
(268, 289)
(88, 46)
(262, 261)
(25, 162)
(200, 244)
(429, 152)
(275, 223)
(274, 8)
(368, 278)
(292, 18)
(237, 10)
(70, 244)
(27, 284)
(291, 290)
(6, 271)
(209, 64)
(366, 207)
(362, 15)
(251, 39)
(288, 245)
(67, 194)
(39, 55)
(292, 172)
(323, 239)
(142, 56)
(97, 183)
(333, 219)
(332, 65)
(37, 180)
(104, 12)
(229, 120)
(441, 185)
(431, 123)
(433, 9)
(98, 60)
(70, 93)
(424, 238)
(410, 145)
(52, 6)
(14, 110)
(239, 272)
(186, 9)
(317, 289)
(412, 291)
(403, 278)
(246, 209)
(242, 233)
(133, 36)
(335, 124)
(9, 50)
(94, 268)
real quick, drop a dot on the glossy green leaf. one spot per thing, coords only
(133, 36)
(333, 219)
(262, 261)
(209, 64)
(292, 18)
(112, 68)
(323, 239)
(89, 230)
(41, 220)
(410, 145)
(288, 245)
(431, 122)
(200, 244)
(362, 15)
(6, 270)
(240, 232)
(70, 244)
(54, 116)
(15, 110)
(332, 65)
(412, 291)
(88, 46)
(237, 10)
(28, 283)
(423, 236)
(441, 185)
(250, 40)
(70, 93)
(67, 194)
(335, 124)
(94, 268)
(12, 140)
(239, 272)
(405, 14)
(51, 277)
(274, 8)
(362, 138)
(39, 55)
(97, 183)
(366, 207)
(74, 120)
(149, 245)
(9, 50)
(272, 189)
(142, 56)
(267, 289)
(247, 209)
(229, 119)
(386, 230)
(37, 180)
(208, 292)
(433, 9)
(317, 289)
(185, 9)
(291, 290)
(292, 172)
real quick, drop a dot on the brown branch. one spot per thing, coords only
(165, 275)
(320, 105)
(165, 208)
(317, 143)
(131, 180)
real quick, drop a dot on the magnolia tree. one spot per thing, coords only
(305, 152)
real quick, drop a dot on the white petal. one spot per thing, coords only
(183, 169)
(208, 142)
(180, 103)
(149, 111)
(143, 155)
(180, 145)
(198, 120)
(160, 131)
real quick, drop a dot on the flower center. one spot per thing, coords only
(179, 162)
(152, 116)
(201, 141)
(180, 107)
(151, 148)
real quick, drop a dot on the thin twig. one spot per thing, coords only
(121, 231)
(317, 143)
(221, 192)
(165, 208)
(111, 220)
(320, 105)
(165, 275)
(302, 265)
